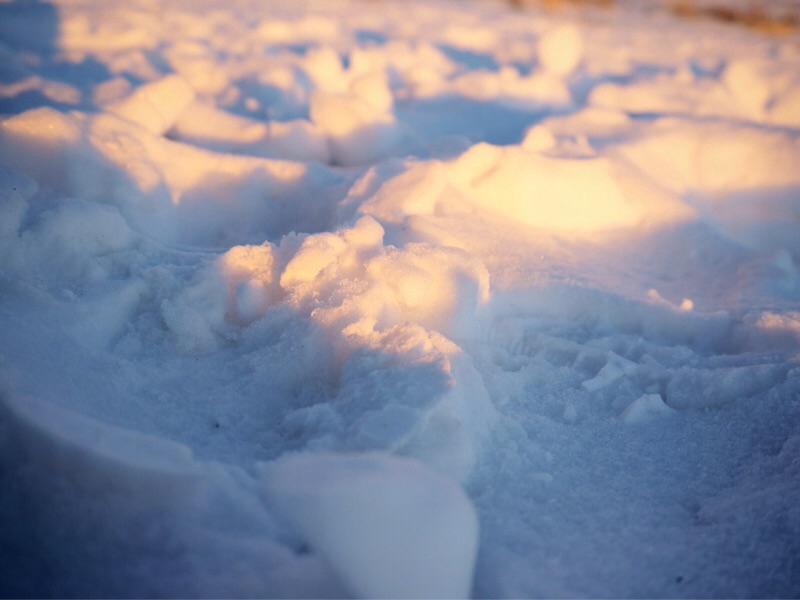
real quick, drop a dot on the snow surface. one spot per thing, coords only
(389, 299)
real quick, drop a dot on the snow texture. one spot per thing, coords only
(397, 299)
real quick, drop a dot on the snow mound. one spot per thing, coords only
(583, 196)
(390, 527)
(743, 179)
(100, 456)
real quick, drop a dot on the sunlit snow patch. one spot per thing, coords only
(593, 194)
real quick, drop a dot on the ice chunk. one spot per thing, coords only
(390, 527)
(646, 408)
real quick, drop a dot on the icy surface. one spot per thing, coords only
(393, 299)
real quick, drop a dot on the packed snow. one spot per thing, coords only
(397, 299)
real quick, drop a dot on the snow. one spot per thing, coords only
(390, 527)
(419, 299)
(560, 50)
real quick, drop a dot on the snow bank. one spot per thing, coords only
(390, 527)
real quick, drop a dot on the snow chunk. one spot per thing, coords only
(390, 527)
(561, 50)
(358, 132)
(374, 89)
(157, 105)
(196, 63)
(250, 274)
(324, 67)
(646, 408)
(439, 287)
(615, 368)
(37, 143)
(298, 139)
(747, 83)
(98, 455)
(413, 192)
(76, 241)
(350, 277)
(538, 138)
(197, 315)
(315, 253)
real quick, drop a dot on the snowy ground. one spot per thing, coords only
(397, 299)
